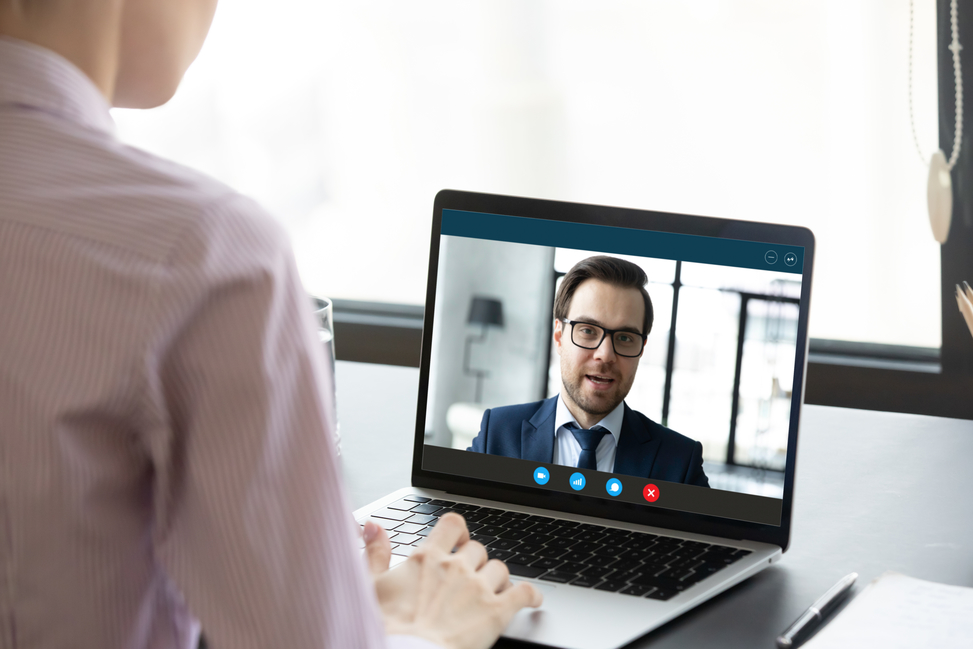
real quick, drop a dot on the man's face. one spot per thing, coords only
(597, 380)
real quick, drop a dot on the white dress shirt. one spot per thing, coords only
(567, 449)
(166, 452)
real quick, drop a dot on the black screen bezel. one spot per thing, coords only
(627, 218)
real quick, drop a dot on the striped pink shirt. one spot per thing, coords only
(165, 445)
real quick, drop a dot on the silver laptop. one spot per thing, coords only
(629, 452)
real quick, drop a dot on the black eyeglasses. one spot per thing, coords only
(589, 336)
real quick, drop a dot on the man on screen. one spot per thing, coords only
(602, 317)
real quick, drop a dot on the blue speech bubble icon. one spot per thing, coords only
(614, 487)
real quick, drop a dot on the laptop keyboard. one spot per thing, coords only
(566, 552)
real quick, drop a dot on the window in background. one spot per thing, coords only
(344, 119)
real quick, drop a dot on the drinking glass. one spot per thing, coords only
(323, 313)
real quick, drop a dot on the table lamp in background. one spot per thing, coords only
(486, 312)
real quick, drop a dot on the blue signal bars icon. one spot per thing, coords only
(577, 481)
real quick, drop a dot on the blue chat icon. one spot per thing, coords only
(614, 487)
(577, 481)
(541, 475)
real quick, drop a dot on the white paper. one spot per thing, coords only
(896, 611)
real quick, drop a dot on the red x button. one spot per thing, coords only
(651, 493)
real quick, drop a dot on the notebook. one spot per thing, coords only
(630, 452)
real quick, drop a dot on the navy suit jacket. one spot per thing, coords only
(645, 448)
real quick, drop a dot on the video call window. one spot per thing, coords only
(726, 382)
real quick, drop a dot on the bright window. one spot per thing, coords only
(344, 119)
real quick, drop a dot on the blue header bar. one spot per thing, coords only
(624, 241)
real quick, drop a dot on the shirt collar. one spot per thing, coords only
(35, 78)
(612, 421)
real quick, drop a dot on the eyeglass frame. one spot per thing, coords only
(604, 332)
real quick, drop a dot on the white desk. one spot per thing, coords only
(875, 491)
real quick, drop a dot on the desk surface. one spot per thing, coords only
(874, 492)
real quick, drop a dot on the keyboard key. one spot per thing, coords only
(595, 560)
(573, 568)
(503, 555)
(613, 586)
(405, 539)
(409, 528)
(442, 503)
(403, 550)
(661, 582)
(551, 552)
(639, 555)
(639, 541)
(504, 544)
(482, 538)
(577, 557)
(599, 573)
(708, 569)
(421, 519)
(662, 594)
(466, 507)
(530, 548)
(515, 535)
(518, 570)
(590, 536)
(386, 524)
(584, 547)
(633, 568)
(543, 528)
(425, 509)
(391, 514)
(403, 505)
(537, 538)
(547, 563)
(561, 542)
(637, 590)
(495, 520)
(490, 530)
(424, 531)
(584, 581)
(610, 551)
(559, 576)
(417, 499)
(517, 524)
(522, 559)
(476, 516)
(444, 511)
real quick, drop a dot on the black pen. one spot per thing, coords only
(796, 632)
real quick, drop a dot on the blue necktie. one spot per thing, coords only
(589, 440)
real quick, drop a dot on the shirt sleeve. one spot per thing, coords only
(251, 522)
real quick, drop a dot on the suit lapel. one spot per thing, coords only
(537, 434)
(637, 449)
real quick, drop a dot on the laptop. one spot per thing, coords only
(692, 492)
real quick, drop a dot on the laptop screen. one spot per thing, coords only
(650, 367)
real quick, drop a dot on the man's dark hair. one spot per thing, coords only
(611, 270)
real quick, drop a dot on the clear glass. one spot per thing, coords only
(324, 315)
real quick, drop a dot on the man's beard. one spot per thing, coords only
(589, 405)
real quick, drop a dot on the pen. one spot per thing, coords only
(796, 632)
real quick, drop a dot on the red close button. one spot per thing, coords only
(651, 493)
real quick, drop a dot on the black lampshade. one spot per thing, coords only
(486, 311)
